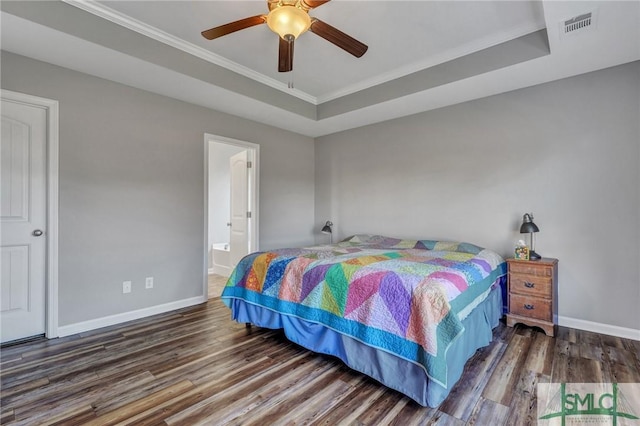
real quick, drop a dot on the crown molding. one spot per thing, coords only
(154, 33)
(98, 9)
(449, 55)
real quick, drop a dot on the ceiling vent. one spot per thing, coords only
(578, 24)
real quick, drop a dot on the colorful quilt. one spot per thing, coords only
(406, 297)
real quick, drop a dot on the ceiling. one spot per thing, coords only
(422, 54)
(405, 38)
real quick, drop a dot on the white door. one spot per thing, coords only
(239, 240)
(22, 220)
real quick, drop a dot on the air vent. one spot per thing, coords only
(578, 24)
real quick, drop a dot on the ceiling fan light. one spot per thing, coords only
(288, 20)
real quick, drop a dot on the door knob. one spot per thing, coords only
(228, 223)
(37, 233)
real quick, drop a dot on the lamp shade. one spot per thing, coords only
(527, 224)
(326, 229)
(288, 20)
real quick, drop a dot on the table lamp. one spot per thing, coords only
(528, 227)
(326, 229)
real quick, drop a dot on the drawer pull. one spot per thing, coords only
(529, 285)
(528, 306)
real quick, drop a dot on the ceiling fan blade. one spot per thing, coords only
(337, 37)
(232, 27)
(312, 4)
(285, 54)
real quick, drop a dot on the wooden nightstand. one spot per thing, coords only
(533, 293)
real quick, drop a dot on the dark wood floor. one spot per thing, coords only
(196, 366)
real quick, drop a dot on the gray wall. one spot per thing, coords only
(132, 188)
(569, 151)
(132, 182)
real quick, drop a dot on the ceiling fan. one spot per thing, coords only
(289, 19)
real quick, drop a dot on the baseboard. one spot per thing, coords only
(596, 327)
(94, 324)
(67, 330)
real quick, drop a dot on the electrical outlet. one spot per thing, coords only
(126, 287)
(148, 282)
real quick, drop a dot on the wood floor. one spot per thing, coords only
(196, 366)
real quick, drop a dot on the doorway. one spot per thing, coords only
(231, 194)
(29, 217)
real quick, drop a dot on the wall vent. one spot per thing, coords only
(578, 24)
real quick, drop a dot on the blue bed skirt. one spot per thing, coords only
(390, 370)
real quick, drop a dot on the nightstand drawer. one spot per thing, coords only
(531, 307)
(530, 285)
(531, 268)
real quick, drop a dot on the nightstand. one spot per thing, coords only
(533, 293)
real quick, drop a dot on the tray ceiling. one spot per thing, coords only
(422, 54)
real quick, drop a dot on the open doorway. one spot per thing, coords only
(231, 194)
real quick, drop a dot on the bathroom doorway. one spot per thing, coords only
(231, 194)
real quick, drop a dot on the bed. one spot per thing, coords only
(408, 313)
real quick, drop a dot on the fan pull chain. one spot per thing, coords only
(290, 82)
